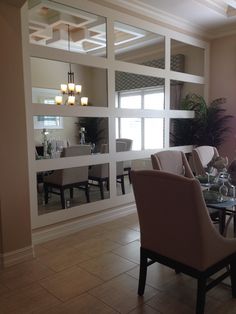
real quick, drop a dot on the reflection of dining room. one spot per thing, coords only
(118, 161)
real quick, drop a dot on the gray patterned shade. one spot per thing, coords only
(129, 81)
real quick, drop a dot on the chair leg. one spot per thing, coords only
(233, 276)
(142, 272)
(87, 193)
(45, 193)
(234, 221)
(222, 216)
(129, 175)
(101, 189)
(63, 205)
(201, 295)
(122, 181)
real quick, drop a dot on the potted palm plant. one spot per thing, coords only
(208, 127)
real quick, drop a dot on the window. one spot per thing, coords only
(48, 122)
(133, 128)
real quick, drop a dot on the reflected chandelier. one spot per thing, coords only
(70, 91)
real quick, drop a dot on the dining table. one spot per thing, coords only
(224, 205)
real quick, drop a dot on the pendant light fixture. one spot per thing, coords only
(71, 91)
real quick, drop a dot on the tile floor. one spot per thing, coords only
(95, 271)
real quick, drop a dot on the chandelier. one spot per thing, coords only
(71, 91)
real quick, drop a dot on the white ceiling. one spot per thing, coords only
(213, 18)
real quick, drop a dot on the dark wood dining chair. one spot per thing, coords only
(176, 231)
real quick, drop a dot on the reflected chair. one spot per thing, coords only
(127, 163)
(176, 231)
(62, 179)
(202, 155)
(172, 161)
(100, 173)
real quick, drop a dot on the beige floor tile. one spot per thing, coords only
(24, 274)
(121, 293)
(63, 258)
(157, 275)
(60, 243)
(129, 251)
(144, 309)
(70, 283)
(122, 235)
(3, 289)
(166, 304)
(95, 247)
(84, 304)
(30, 299)
(107, 266)
(87, 234)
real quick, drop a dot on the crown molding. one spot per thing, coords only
(136, 7)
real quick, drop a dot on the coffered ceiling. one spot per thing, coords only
(211, 18)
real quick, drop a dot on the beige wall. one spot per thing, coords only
(69, 132)
(15, 226)
(223, 84)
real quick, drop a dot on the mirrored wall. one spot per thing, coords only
(130, 98)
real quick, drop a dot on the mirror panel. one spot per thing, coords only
(179, 89)
(73, 182)
(48, 76)
(123, 180)
(139, 46)
(53, 135)
(134, 91)
(188, 59)
(153, 133)
(67, 28)
(180, 132)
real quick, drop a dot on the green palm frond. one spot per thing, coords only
(210, 125)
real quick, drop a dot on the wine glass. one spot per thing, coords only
(223, 178)
(231, 185)
(208, 170)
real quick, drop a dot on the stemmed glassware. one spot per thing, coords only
(208, 170)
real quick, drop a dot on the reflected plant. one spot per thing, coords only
(208, 127)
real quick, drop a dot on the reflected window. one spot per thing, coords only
(153, 133)
(130, 128)
(48, 122)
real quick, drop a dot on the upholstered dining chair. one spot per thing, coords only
(100, 173)
(172, 161)
(127, 163)
(176, 162)
(183, 239)
(62, 179)
(202, 155)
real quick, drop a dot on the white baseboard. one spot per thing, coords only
(40, 236)
(16, 257)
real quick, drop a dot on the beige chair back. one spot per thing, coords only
(71, 175)
(102, 171)
(174, 220)
(172, 161)
(202, 155)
